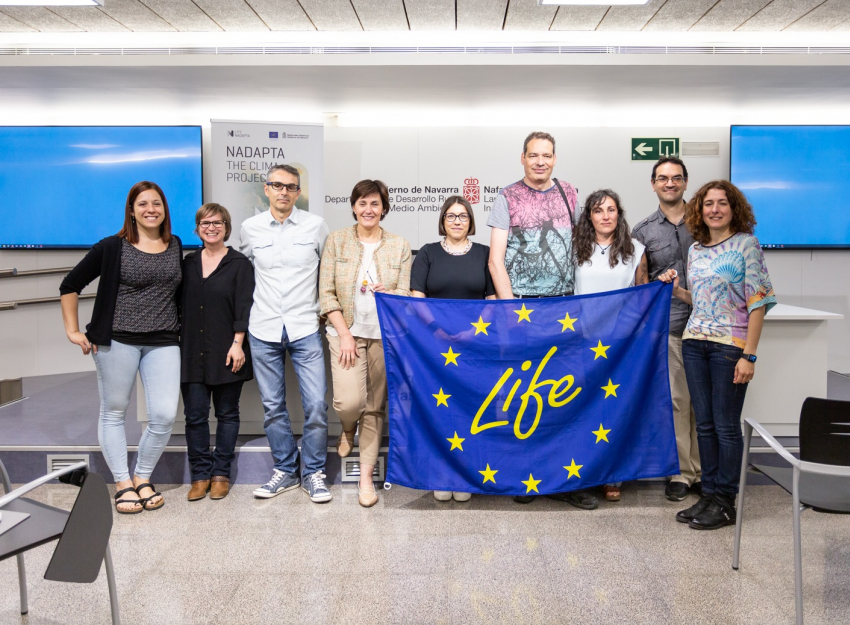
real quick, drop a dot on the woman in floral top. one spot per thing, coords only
(730, 292)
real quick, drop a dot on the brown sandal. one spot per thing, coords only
(611, 492)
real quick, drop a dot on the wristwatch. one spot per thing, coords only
(749, 357)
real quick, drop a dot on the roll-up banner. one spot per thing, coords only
(243, 152)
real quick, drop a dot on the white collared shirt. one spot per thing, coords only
(286, 268)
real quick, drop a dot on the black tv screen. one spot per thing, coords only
(66, 186)
(790, 174)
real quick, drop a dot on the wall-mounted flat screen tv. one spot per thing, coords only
(66, 186)
(788, 171)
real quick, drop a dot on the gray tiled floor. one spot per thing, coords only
(414, 560)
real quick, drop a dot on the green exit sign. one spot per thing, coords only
(651, 149)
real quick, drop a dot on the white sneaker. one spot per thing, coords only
(462, 496)
(443, 495)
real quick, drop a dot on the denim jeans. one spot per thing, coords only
(196, 402)
(308, 359)
(710, 369)
(117, 365)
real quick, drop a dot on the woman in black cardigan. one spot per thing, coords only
(218, 290)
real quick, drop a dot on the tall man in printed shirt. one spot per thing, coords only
(285, 245)
(667, 242)
(531, 252)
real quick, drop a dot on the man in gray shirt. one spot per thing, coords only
(667, 242)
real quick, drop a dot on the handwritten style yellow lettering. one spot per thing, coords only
(558, 389)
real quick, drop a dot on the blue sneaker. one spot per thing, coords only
(279, 483)
(314, 485)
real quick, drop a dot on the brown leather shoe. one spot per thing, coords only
(220, 487)
(346, 443)
(368, 497)
(199, 490)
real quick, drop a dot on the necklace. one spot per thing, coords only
(604, 249)
(465, 249)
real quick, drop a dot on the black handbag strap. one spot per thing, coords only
(564, 195)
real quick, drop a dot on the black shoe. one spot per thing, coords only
(578, 498)
(719, 513)
(676, 491)
(524, 498)
(686, 515)
(696, 488)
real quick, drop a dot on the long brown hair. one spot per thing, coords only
(130, 231)
(743, 218)
(584, 234)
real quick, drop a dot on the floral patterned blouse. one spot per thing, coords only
(727, 282)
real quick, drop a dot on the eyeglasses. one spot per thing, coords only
(451, 217)
(279, 186)
(206, 225)
(674, 179)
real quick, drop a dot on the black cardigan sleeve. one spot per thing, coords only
(86, 271)
(244, 295)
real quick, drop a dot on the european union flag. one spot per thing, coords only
(512, 397)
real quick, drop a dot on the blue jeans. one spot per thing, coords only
(196, 402)
(117, 365)
(308, 359)
(710, 369)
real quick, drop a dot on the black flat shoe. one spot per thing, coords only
(524, 498)
(719, 513)
(686, 515)
(578, 498)
(676, 491)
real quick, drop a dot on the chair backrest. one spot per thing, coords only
(82, 547)
(825, 431)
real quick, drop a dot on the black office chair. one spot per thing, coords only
(819, 479)
(83, 533)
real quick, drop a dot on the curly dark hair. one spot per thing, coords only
(743, 218)
(584, 234)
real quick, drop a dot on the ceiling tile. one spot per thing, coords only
(232, 15)
(679, 15)
(845, 25)
(578, 18)
(41, 19)
(282, 14)
(135, 16)
(381, 14)
(9, 24)
(481, 14)
(630, 17)
(90, 19)
(779, 14)
(184, 15)
(527, 15)
(431, 14)
(824, 17)
(330, 15)
(727, 15)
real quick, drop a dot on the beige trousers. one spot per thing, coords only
(684, 421)
(360, 394)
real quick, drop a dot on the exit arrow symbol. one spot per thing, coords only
(642, 149)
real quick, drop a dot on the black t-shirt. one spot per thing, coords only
(436, 273)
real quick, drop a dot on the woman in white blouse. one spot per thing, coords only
(607, 258)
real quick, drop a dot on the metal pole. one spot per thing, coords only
(798, 556)
(739, 521)
(22, 570)
(113, 590)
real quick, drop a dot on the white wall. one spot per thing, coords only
(32, 338)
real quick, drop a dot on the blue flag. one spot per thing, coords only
(528, 396)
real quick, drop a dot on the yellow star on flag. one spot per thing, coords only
(531, 484)
(480, 326)
(456, 442)
(524, 313)
(573, 468)
(610, 389)
(567, 322)
(451, 357)
(600, 350)
(601, 435)
(441, 398)
(489, 475)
